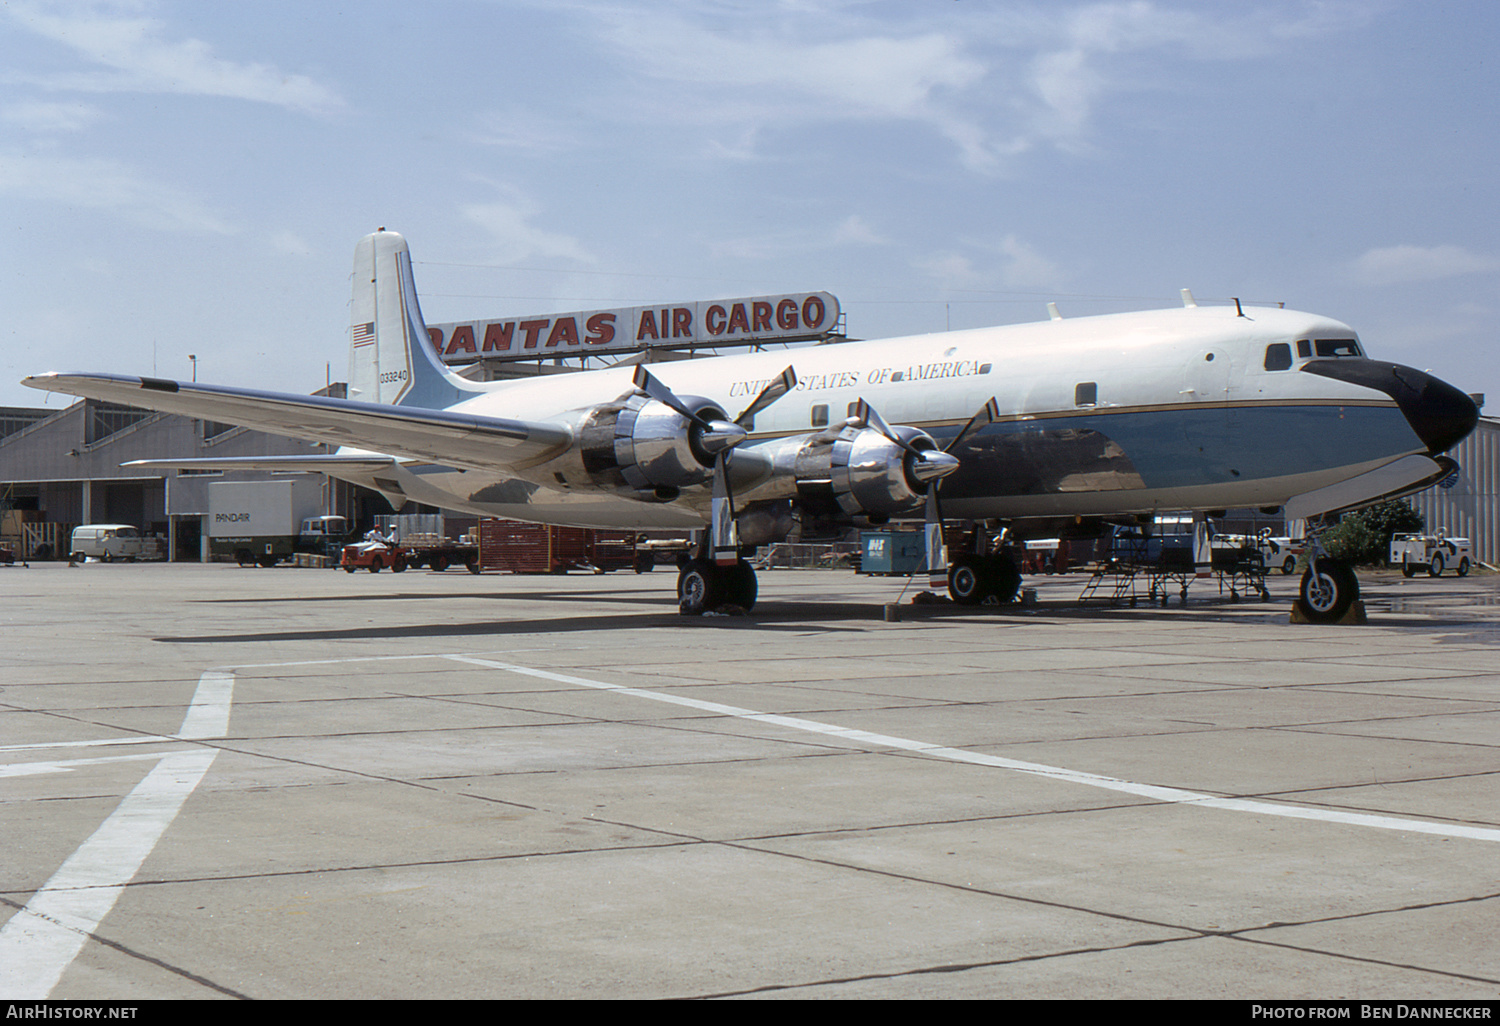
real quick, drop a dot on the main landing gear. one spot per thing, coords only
(976, 580)
(704, 586)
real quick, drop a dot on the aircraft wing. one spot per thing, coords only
(321, 464)
(461, 440)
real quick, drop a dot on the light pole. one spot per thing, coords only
(194, 359)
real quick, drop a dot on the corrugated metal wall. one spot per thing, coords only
(1471, 508)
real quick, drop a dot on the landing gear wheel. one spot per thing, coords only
(965, 583)
(973, 580)
(740, 587)
(699, 587)
(1435, 568)
(1329, 588)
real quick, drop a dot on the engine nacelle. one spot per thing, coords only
(647, 448)
(863, 472)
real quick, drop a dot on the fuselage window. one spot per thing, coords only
(820, 415)
(1086, 393)
(1337, 347)
(1278, 356)
(1304, 349)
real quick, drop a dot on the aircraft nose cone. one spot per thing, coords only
(1440, 414)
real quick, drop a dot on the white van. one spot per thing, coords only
(107, 542)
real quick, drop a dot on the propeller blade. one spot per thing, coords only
(986, 416)
(648, 383)
(865, 414)
(783, 384)
(936, 548)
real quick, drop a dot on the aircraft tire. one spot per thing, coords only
(966, 582)
(699, 587)
(1435, 568)
(740, 588)
(1329, 588)
(1004, 579)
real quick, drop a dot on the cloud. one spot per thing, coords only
(1398, 265)
(1011, 264)
(994, 81)
(508, 221)
(50, 118)
(106, 185)
(141, 59)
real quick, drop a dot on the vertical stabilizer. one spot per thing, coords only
(390, 358)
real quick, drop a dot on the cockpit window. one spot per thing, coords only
(1278, 356)
(1337, 347)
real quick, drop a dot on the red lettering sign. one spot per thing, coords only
(714, 320)
(760, 317)
(601, 328)
(813, 312)
(463, 338)
(533, 329)
(497, 336)
(565, 330)
(648, 326)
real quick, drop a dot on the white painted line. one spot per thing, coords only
(208, 715)
(1171, 795)
(103, 742)
(40, 941)
(32, 769)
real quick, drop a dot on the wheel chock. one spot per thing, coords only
(1355, 617)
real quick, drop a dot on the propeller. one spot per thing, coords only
(936, 547)
(717, 438)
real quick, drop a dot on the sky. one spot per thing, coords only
(185, 178)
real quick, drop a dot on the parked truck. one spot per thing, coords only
(258, 522)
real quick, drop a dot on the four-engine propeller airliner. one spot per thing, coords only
(1017, 430)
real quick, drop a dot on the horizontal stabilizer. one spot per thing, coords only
(444, 437)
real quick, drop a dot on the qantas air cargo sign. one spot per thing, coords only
(721, 322)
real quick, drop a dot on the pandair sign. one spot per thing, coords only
(796, 316)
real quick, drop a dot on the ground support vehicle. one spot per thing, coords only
(7, 555)
(422, 540)
(260, 522)
(373, 556)
(1433, 553)
(653, 552)
(1281, 553)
